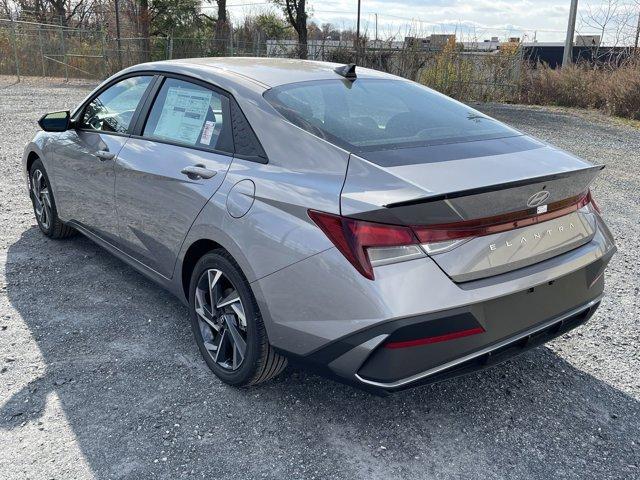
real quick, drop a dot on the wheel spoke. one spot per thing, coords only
(222, 345)
(239, 311)
(37, 179)
(46, 198)
(46, 204)
(44, 219)
(229, 299)
(205, 316)
(238, 342)
(213, 276)
(38, 205)
(203, 312)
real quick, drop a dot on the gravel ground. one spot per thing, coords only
(100, 378)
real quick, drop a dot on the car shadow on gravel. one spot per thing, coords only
(140, 402)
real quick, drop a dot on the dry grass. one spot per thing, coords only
(614, 91)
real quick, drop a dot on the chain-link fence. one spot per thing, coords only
(36, 49)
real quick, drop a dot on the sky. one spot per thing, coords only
(544, 20)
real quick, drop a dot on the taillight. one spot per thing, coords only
(367, 244)
(593, 202)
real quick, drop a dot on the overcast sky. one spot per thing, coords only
(545, 19)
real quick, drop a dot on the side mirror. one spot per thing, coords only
(55, 121)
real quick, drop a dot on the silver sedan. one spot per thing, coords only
(326, 214)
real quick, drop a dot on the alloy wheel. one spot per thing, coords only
(221, 319)
(41, 198)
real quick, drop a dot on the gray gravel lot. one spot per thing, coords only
(100, 378)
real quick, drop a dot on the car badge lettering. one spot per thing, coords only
(536, 236)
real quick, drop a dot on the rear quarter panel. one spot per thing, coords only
(302, 172)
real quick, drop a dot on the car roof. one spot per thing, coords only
(270, 72)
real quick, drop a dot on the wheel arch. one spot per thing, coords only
(197, 248)
(31, 157)
(195, 252)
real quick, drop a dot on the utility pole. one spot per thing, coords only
(358, 30)
(635, 45)
(571, 28)
(118, 45)
(376, 28)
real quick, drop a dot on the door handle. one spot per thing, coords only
(105, 155)
(196, 172)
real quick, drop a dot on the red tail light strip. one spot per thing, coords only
(353, 237)
(439, 338)
(499, 223)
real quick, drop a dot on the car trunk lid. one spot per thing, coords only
(481, 209)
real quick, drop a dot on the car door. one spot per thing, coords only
(168, 170)
(85, 155)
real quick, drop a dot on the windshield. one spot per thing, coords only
(373, 114)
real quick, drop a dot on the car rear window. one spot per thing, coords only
(375, 114)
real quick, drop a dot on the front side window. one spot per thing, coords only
(192, 115)
(376, 114)
(113, 109)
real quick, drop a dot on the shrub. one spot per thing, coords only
(616, 91)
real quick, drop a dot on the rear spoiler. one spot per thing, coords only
(484, 201)
(494, 188)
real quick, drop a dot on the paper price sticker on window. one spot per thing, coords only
(183, 114)
(207, 132)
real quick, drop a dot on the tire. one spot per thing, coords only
(44, 205)
(213, 327)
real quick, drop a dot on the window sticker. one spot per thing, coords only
(183, 114)
(207, 132)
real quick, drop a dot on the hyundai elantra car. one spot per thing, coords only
(326, 214)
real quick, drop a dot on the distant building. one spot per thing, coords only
(432, 42)
(551, 53)
(587, 40)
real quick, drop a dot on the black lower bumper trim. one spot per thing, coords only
(502, 352)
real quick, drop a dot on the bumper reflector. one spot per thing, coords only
(436, 339)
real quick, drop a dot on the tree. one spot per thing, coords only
(314, 32)
(329, 32)
(272, 26)
(178, 18)
(296, 13)
(66, 12)
(222, 26)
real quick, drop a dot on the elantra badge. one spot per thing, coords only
(523, 240)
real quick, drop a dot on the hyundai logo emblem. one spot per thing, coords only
(538, 198)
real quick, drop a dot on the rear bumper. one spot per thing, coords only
(499, 329)
(467, 362)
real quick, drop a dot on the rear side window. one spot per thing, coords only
(113, 109)
(191, 115)
(375, 114)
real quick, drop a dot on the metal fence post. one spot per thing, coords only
(104, 54)
(15, 49)
(44, 66)
(170, 48)
(64, 54)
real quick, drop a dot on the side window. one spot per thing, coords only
(189, 114)
(113, 109)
